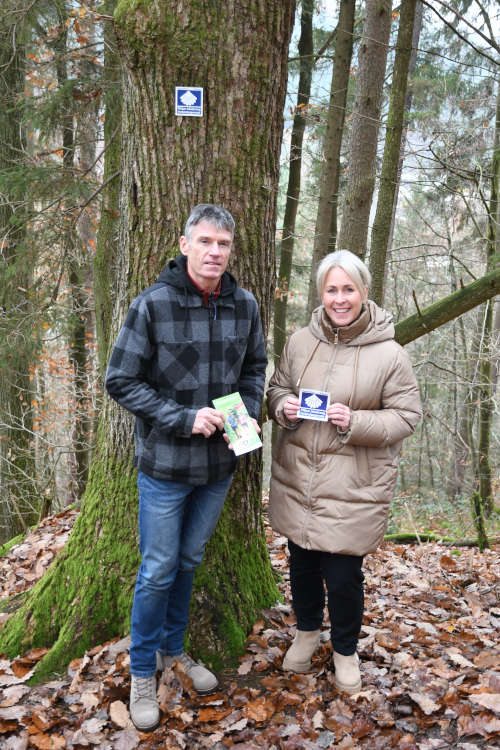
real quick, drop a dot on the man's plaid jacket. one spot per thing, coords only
(173, 355)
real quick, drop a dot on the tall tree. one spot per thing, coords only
(372, 58)
(486, 404)
(230, 156)
(325, 232)
(387, 193)
(76, 127)
(107, 236)
(82, 322)
(19, 500)
(306, 52)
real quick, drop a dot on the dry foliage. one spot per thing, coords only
(430, 662)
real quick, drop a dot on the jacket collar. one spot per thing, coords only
(176, 275)
(345, 333)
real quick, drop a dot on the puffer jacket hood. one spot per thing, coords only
(330, 490)
(373, 325)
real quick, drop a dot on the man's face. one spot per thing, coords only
(207, 253)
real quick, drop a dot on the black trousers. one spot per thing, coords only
(310, 570)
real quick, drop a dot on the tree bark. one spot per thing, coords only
(486, 403)
(389, 176)
(107, 246)
(19, 500)
(77, 262)
(229, 156)
(325, 233)
(80, 266)
(306, 52)
(365, 126)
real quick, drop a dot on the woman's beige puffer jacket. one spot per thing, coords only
(331, 491)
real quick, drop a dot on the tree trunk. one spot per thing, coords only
(74, 255)
(417, 28)
(461, 402)
(80, 270)
(448, 308)
(365, 126)
(486, 403)
(306, 52)
(19, 500)
(325, 233)
(229, 156)
(392, 149)
(107, 249)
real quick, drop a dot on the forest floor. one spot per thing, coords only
(430, 660)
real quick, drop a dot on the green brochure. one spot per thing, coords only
(238, 424)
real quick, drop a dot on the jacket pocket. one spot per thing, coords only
(152, 438)
(363, 464)
(352, 467)
(179, 364)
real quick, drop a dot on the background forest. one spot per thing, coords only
(389, 146)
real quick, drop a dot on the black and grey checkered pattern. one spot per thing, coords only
(173, 356)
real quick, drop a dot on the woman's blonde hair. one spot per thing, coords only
(348, 262)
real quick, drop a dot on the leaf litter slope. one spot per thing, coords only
(429, 651)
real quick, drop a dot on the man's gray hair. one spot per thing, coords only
(348, 262)
(209, 212)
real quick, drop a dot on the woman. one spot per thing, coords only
(332, 481)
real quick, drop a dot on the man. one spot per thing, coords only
(193, 336)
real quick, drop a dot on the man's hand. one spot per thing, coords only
(207, 420)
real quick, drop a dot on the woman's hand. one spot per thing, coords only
(291, 408)
(340, 415)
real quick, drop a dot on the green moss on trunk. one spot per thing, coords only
(234, 583)
(85, 596)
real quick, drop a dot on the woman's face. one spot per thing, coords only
(341, 297)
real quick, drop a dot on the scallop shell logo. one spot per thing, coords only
(313, 401)
(188, 99)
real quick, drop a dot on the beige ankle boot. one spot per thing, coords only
(347, 675)
(298, 656)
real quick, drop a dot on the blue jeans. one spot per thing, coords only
(176, 520)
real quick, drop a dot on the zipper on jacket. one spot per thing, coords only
(314, 454)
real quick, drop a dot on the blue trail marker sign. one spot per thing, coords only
(189, 101)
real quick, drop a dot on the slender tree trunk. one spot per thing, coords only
(417, 28)
(478, 514)
(496, 357)
(19, 502)
(365, 126)
(461, 448)
(486, 403)
(306, 52)
(81, 127)
(107, 250)
(392, 150)
(229, 156)
(325, 233)
(80, 266)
